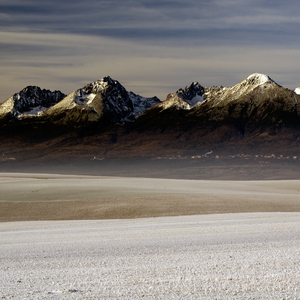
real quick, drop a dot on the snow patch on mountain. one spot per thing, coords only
(297, 90)
(141, 104)
(84, 99)
(35, 111)
(196, 100)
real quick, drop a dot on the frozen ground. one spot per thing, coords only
(227, 256)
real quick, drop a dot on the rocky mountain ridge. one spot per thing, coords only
(108, 96)
(105, 120)
(103, 98)
(30, 101)
(255, 102)
(195, 94)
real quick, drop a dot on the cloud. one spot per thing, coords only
(70, 16)
(149, 71)
(152, 47)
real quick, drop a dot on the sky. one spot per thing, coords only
(151, 47)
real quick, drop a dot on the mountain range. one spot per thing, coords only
(103, 119)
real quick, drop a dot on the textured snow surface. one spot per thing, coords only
(34, 111)
(297, 91)
(230, 256)
(259, 78)
(196, 100)
(84, 99)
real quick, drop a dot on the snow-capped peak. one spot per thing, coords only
(248, 85)
(86, 95)
(105, 97)
(258, 79)
(31, 101)
(99, 85)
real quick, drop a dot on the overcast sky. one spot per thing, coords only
(150, 47)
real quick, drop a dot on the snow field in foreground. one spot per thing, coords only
(230, 256)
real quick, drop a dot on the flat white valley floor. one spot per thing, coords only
(225, 256)
(89, 237)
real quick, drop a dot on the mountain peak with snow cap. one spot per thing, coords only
(31, 101)
(258, 79)
(222, 95)
(104, 99)
(246, 86)
(100, 85)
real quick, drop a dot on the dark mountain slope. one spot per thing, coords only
(104, 120)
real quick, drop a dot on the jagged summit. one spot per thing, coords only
(100, 85)
(30, 101)
(105, 98)
(86, 95)
(192, 94)
(186, 98)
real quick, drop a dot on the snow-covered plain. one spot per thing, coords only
(227, 256)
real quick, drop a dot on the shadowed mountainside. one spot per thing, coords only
(103, 120)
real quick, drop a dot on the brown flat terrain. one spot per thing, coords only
(27, 197)
(205, 168)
